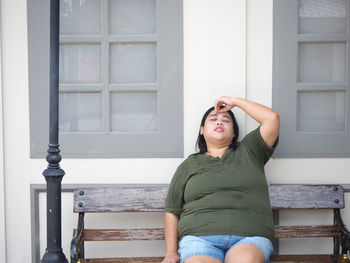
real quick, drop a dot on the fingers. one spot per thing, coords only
(223, 104)
(171, 259)
(218, 105)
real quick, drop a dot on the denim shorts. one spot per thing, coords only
(217, 246)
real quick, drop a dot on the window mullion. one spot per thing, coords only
(105, 66)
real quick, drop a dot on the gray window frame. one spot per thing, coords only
(293, 143)
(166, 142)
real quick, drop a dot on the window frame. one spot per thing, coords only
(294, 143)
(166, 142)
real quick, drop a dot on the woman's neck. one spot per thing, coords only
(216, 151)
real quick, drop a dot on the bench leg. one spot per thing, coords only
(344, 235)
(77, 246)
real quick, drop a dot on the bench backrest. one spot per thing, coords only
(151, 198)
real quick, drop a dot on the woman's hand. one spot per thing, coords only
(171, 258)
(229, 103)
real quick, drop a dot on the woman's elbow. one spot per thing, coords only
(274, 120)
(273, 117)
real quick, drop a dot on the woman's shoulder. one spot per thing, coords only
(193, 162)
(192, 157)
(186, 162)
(185, 168)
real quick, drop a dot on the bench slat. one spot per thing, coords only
(158, 233)
(307, 258)
(122, 234)
(306, 231)
(306, 196)
(120, 199)
(124, 260)
(152, 198)
(274, 258)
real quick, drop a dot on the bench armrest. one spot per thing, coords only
(344, 232)
(77, 245)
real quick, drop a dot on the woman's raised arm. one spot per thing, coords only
(267, 117)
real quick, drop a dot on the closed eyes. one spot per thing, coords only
(223, 120)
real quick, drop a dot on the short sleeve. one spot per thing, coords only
(258, 147)
(175, 198)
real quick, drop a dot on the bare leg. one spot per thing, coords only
(202, 259)
(244, 253)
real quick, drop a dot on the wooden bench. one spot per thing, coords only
(151, 199)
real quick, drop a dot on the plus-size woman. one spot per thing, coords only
(217, 208)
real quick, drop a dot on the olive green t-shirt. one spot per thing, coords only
(224, 196)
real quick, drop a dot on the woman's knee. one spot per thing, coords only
(245, 253)
(246, 257)
(202, 259)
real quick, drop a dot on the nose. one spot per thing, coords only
(219, 122)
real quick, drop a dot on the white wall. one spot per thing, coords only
(15, 110)
(2, 178)
(227, 51)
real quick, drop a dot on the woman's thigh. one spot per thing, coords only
(250, 250)
(193, 249)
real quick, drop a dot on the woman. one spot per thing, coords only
(218, 204)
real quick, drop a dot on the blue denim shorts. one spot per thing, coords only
(217, 246)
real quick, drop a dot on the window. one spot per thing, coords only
(311, 77)
(120, 78)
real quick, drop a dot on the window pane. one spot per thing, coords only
(322, 62)
(133, 63)
(322, 16)
(133, 16)
(134, 112)
(321, 111)
(80, 63)
(80, 17)
(80, 112)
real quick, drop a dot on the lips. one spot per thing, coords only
(219, 129)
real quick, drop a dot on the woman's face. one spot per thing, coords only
(218, 129)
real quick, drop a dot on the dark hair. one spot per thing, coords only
(201, 144)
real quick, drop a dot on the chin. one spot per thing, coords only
(220, 139)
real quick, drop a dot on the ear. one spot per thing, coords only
(201, 130)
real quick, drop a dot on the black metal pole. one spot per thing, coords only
(54, 174)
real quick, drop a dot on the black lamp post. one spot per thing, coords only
(54, 174)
